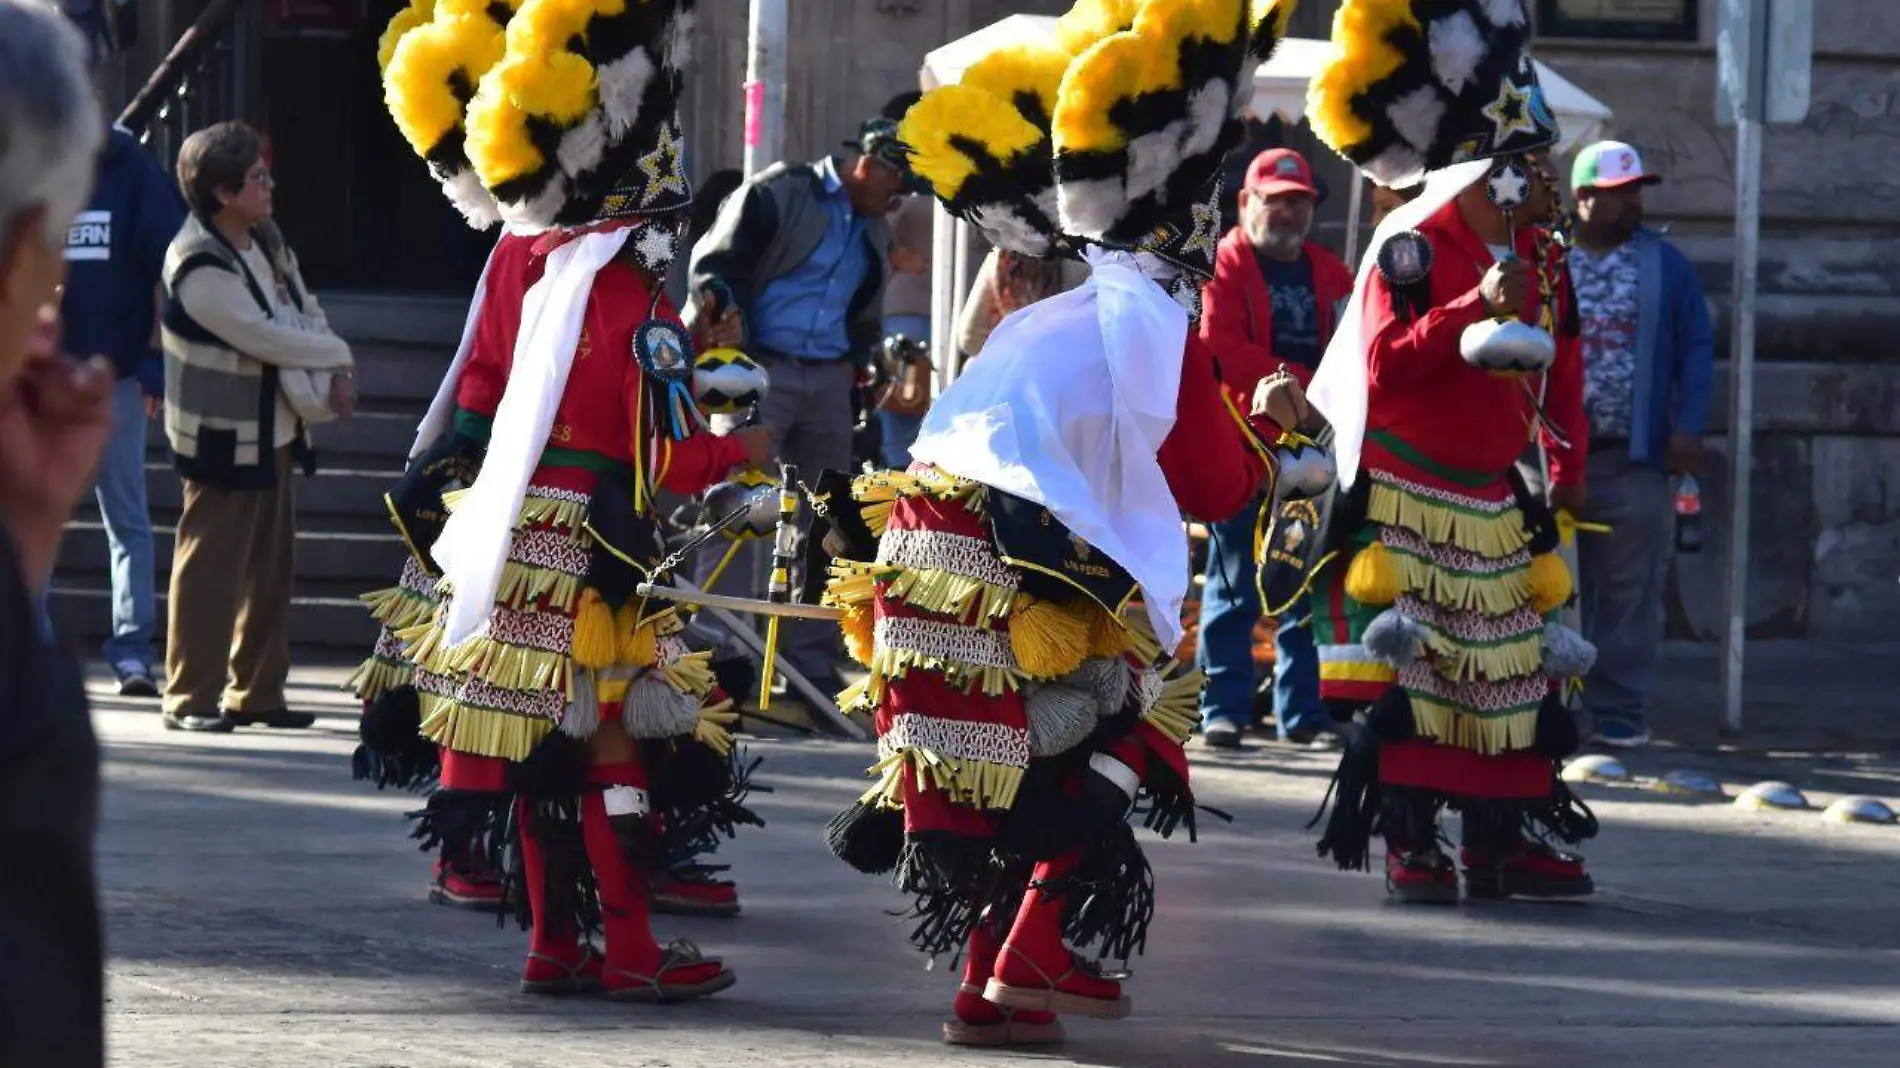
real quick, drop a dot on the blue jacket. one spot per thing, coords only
(1675, 351)
(115, 258)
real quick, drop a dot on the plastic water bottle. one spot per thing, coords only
(1688, 515)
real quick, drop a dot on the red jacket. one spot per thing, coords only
(1237, 312)
(1423, 392)
(605, 387)
(1211, 463)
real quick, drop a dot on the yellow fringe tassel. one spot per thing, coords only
(397, 608)
(1448, 725)
(858, 625)
(1494, 595)
(638, 642)
(887, 664)
(481, 731)
(1469, 663)
(1550, 583)
(714, 729)
(377, 676)
(522, 586)
(1048, 639)
(878, 491)
(851, 583)
(1490, 536)
(956, 596)
(689, 674)
(1372, 579)
(595, 641)
(1178, 710)
(858, 697)
(1107, 634)
(976, 783)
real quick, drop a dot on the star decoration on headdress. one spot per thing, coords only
(1508, 187)
(1205, 235)
(662, 167)
(655, 247)
(1510, 113)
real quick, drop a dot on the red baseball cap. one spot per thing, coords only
(1280, 170)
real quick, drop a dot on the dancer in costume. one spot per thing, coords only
(573, 725)
(1460, 322)
(1023, 710)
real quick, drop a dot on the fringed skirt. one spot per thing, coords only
(989, 705)
(512, 709)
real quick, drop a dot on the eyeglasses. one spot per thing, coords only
(261, 176)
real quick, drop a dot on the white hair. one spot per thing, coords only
(50, 129)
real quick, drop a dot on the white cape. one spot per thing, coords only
(1340, 385)
(1066, 407)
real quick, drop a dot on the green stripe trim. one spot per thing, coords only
(481, 427)
(1391, 443)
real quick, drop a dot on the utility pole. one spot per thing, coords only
(765, 85)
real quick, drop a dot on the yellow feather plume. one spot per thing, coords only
(1091, 20)
(416, 15)
(1033, 69)
(541, 76)
(418, 85)
(859, 625)
(1361, 57)
(965, 112)
(1145, 59)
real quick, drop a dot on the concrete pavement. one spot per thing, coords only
(266, 912)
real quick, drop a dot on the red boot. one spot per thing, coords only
(1419, 876)
(693, 891)
(1035, 970)
(637, 968)
(1537, 870)
(464, 880)
(980, 1023)
(558, 964)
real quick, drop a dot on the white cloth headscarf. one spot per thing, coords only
(1340, 386)
(1067, 406)
(475, 541)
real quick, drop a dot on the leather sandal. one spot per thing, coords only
(655, 990)
(1050, 997)
(1008, 1032)
(581, 977)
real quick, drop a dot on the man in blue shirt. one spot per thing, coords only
(1648, 358)
(800, 255)
(115, 254)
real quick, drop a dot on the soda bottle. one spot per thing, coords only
(1688, 515)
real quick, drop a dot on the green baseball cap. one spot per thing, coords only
(1609, 164)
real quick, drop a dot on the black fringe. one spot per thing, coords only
(394, 754)
(1557, 733)
(472, 822)
(700, 796)
(550, 784)
(1355, 800)
(867, 838)
(1492, 827)
(1563, 815)
(953, 880)
(1109, 898)
(1166, 803)
(1409, 816)
(1046, 820)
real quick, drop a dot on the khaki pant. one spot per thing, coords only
(228, 626)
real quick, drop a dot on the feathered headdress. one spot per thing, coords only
(429, 77)
(577, 124)
(1114, 134)
(1418, 85)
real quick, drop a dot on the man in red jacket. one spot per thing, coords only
(1273, 303)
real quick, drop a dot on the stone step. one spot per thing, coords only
(377, 439)
(338, 626)
(330, 563)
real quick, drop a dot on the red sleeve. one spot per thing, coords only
(1227, 327)
(1212, 465)
(1402, 352)
(1563, 404)
(698, 462)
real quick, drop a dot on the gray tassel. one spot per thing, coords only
(583, 708)
(1393, 638)
(655, 710)
(1567, 654)
(1060, 717)
(1108, 679)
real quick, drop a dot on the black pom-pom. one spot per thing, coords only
(394, 754)
(556, 770)
(867, 838)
